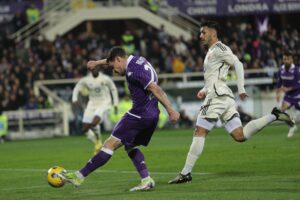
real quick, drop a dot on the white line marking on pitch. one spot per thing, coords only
(98, 171)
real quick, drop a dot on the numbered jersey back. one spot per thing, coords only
(140, 74)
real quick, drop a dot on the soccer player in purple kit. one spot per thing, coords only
(138, 124)
(289, 83)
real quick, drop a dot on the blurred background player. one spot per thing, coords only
(137, 126)
(102, 93)
(3, 126)
(219, 102)
(289, 84)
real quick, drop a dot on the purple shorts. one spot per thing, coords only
(292, 101)
(133, 131)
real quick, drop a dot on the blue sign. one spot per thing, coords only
(234, 7)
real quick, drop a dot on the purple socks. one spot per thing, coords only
(137, 157)
(97, 161)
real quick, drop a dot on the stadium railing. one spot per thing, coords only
(55, 120)
(59, 10)
(39, 123)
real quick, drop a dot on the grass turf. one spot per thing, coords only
(265, 167)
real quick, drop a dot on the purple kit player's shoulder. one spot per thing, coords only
(136, 62)
(297, 73)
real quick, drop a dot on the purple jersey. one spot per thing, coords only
(290, 78)
(139, 74)
(137, 126)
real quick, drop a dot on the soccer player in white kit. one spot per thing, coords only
(219, 100)
(102, 95)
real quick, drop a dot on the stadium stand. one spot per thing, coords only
(66, 56)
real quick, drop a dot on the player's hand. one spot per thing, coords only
(286, 89)
(91, 64)
(174, 116)
(243, 96)
(201, 95)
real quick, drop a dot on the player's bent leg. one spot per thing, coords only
(238, 135)
(195, 151)
(96, 121)
(285, 106)
(256, 125)
(293, 112)
(292, 131)
(89, 133)
(138, 160)
(77, 178)
(97, 133)
(235, 128)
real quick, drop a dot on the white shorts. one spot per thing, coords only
(93, 110)
(216, 108)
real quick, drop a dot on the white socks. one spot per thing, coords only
(293, 113)
(197, 145)
(79, 175)
(193, 155)
(91, 136)
(94, 134)
(256, 125)
(97, 131)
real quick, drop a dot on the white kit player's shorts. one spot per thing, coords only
(95, 109)
(216, 108)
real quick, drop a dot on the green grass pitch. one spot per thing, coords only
(265, 167)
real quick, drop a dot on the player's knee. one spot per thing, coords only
(200, 132)
(129, 149)
(85, 128)
(112, 143)
(238, 135)
(95, 121)
(240, 139)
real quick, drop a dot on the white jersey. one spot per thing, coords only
(217, 62)
(100, 89)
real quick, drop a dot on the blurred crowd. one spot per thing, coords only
(66, 56)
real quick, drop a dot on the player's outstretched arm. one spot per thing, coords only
(76, 89)
(93, 63)
(163, 99)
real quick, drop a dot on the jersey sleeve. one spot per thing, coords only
(76, 90)
(143, 75)
(113, 89)
(297, 79)
(227, 56)
(279, 80)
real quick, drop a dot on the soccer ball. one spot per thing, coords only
(53, 179)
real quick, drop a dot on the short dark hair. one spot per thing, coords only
(287, 53)
(212, 24)
(114, 52)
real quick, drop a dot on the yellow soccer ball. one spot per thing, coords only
(53, 179)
